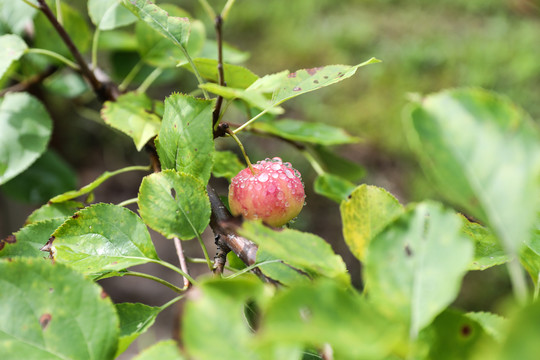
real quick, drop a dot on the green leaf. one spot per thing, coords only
(368, 210)
(186, 141)
(522, 335)
(236, 76)
(54, 211)
(13, 47)
(231, 55)
(109, 14)
(103, 237)
(30, 239)
(15, 15)
(323, 312)
(48, 176)
(484, 153)
(26, 130)
(135, 319)
(132, 114)
(493, 324)
(46, 37)
(161, 52)
(333, 187)
(226, 164)
(453, 335)
(176, 29)
(163, 350)
(280, 271)
(487, 249)
(67, 84)
(316, 133)
(252, 98)
(304, 251)
(52, 312)
(413, 268)
(87, 189)
(174, 204)
(530, 260)
(306, 80)
(118, 40)
(338, 165)
(224, 300)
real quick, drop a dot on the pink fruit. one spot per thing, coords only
(274, 194)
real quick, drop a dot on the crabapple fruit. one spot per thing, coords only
(274, 193)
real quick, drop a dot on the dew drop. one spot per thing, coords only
(289, 174)
(272, 189)
(288, 164)
(286, 204)
(282, 176)
(275, 175)
(289, 185)
(263, 177)
(258, 186)
(276, 166)
(280, 195)
(250, 187)
(276, 159)
(242, 185)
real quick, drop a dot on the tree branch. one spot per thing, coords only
(28, 83)
(105, 91)
(221, 73)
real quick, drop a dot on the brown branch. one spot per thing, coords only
(31, 81)
(105, 91)
(221, 73)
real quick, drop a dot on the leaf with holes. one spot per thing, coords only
(186, 141)
(306, 80)
(52, 312)
(174, 204)
(176, 29)
(26, 130)
(407, 261)
(101, 238)
(132, 114)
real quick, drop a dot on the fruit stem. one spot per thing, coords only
(316, 166)
(231, 133)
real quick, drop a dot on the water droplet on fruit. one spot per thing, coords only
(275, 175)
(276, 166)
(258, 186)
(282, 176)
(263, 177)
(242, 185)
(250, 187)
(289, 185)
(288, 164)
(272, 189)
(276, 159)
(289, 174)
(280, 195)
(297, 174)
(286, 204)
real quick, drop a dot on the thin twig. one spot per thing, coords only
(221, 74)
(28, 83)
(182, 259)
(103, 91)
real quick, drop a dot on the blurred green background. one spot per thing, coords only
(424, 45)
